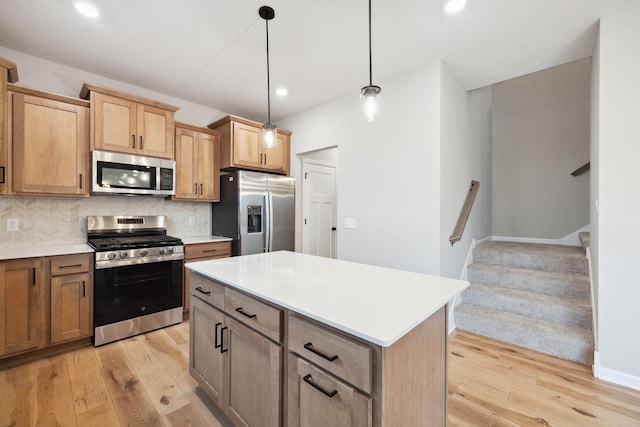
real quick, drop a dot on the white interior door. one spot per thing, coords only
(319, 208)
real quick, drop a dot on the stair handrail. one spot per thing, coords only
(582, 169)
(464, 213)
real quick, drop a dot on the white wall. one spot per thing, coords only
(618, 136)
(47, 76)
(464, 156)
(540, 135)
(594, 232)
(389, 170)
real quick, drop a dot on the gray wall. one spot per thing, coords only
(540, 127)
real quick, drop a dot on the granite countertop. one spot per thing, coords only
(40, 251)
(377, 304)
(205, 239)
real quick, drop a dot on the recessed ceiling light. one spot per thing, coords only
(87, 9)
(282, 91)
(453, 6)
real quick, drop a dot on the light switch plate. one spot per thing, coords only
(13, 224)
(349, 223)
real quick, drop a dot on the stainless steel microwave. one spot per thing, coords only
(117, 173)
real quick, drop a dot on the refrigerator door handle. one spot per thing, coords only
(270, 197)
(267, 221)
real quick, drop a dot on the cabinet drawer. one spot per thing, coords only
(207, 250)
(341, 356)
(70, 264)
(207, 290)
(258, 315)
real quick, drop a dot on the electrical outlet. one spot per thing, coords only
(192, 220)
(13, 224)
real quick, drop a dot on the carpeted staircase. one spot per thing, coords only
(532, 295)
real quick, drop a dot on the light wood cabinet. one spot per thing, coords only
(71, 298)
(242, 146)
(50, 142)
(129, 124)
(22, 306)
(202, 252)
(8, 73)
(240, 368)
(197, 164)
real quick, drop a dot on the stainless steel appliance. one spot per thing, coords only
(137, 276)
(257, 210)
(117, 173)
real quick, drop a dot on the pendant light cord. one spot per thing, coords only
(370, 60)
(268, 77)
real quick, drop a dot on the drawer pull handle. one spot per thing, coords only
(216, 336)
(209, 250)
(307, 379)
(222, 349)
(309, 346)
(202, 291)
(71, 266)
(241, 311)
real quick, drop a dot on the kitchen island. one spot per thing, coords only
(284, 338)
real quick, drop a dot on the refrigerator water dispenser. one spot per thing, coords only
(254, 219)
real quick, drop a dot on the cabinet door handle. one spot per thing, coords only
(202, 291)
(309, 346)
(81, 181)
(141, 142)
(84, 290)
(34, 276)
(201, 191)
(265, 159)
(215, 338)
(195, 188)
(244, 313)
(260, 158)
(3, 178)
(222, 349)
(70, 266)
(307, 379)
(133, 141)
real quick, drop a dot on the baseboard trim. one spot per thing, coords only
(613, 376)
(525, 240)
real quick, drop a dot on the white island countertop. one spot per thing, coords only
(376, 304)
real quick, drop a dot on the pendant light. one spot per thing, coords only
(269, 137)
(370, 93)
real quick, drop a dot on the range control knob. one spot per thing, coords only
(124, 254)
(111, 255)
(162, 251)
(170, 250)
(144, 252)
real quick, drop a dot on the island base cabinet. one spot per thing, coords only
(254, 364)
(206, 361)
(317, 399)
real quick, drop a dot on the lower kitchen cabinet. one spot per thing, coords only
(201, 252)
(318, 399)
(22, 306)
(71, 298)
(238, 367)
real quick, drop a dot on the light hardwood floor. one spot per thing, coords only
(145, 381)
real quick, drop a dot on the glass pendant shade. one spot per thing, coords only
(269, 136)
(370, 99)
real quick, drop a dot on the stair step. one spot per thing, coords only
(557, 258)
(550, 283)
(566, 311)
(567, 342)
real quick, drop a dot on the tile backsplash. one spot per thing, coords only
(50, 221)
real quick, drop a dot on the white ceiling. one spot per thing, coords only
(212, 52)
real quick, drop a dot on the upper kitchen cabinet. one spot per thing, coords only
(129, 124)
(242, 146)
(197, 164)
(50, 141)
(8, 74)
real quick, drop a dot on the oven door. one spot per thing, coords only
(128, 292)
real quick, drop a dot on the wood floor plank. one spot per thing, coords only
(129, 398)
(53, 405)
(16, 396)
(186, 416)
(165, 394)
(87, 385)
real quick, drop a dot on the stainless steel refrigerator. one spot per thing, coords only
(257, 210)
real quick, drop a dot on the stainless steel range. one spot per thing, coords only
(137, 276)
